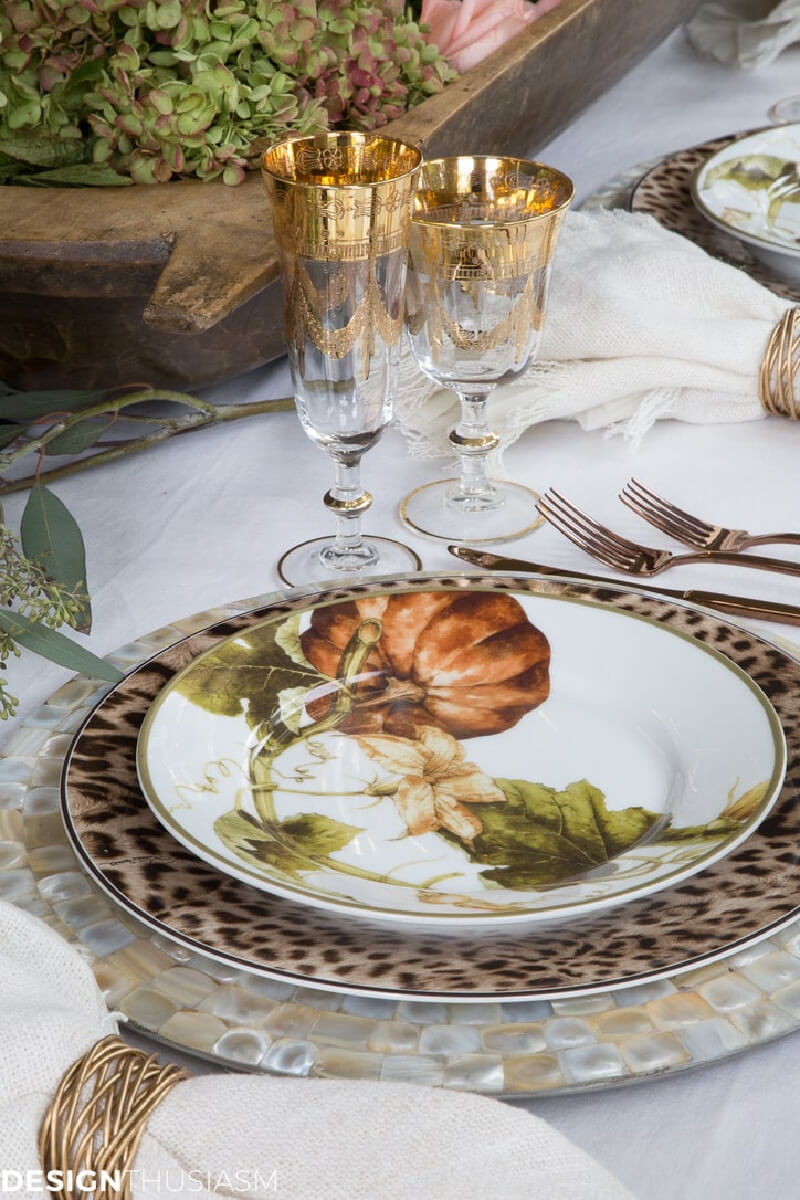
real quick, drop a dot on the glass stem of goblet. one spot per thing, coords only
(347, 500)
(473, 440)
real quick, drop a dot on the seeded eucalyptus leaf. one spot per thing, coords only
(28, 406)
(75, 440)
(8, 433)
(54, 646)
(50, 534)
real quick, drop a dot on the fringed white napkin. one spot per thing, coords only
(260, 1136)
(719, 31)
(641, 325)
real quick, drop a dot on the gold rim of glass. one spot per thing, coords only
(502, 160)
(334, 140)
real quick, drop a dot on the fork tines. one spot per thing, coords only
(581, 529)
(667, 517)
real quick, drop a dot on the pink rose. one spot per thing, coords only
(466, 31)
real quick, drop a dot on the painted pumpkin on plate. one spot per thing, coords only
(468, 662)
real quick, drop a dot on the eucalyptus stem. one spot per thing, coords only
(204, 414)
(105, 408)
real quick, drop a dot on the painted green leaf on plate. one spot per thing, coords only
(246, 676)
(318, 834)
(287, 846)
(542, 835)
(256, 844)
(287, 636)
(693, 833)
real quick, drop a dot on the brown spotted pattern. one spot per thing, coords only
(665, 193)
(746, 895)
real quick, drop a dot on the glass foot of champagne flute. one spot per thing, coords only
(341, 209)
(482, 239)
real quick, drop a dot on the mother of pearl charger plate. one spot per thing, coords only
(235, 1018)
(459, 757)
(726, 906)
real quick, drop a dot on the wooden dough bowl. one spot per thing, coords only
(177, 284)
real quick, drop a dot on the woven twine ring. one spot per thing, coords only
(98, 1115)
(778, 386)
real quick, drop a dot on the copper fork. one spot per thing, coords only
(621, 555)
(682, 526)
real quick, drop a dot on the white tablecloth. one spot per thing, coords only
(202, 519)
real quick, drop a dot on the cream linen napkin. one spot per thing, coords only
(261, 1136)
(641, 324)
(719, 31)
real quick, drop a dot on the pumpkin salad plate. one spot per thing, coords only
(458, 756)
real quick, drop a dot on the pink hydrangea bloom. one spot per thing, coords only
(466, 31)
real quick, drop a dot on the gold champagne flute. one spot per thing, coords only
(341, 211)
(483, 236)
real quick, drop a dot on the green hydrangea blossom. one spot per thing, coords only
(120, 91)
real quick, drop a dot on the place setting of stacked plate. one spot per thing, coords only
(481, 831)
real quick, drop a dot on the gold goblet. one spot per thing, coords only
(483, 236)
(341, 210)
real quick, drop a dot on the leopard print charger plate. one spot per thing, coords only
(746, 896)
(665, 193)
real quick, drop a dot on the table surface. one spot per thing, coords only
(201, 520)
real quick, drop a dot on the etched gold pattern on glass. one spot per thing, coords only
(341, 206)
(320, 212)
(483, 235)
(309, 307)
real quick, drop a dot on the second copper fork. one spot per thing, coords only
(632, 558)
(682, 526)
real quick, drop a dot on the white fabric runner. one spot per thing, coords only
(641, 324)
(260, 1136)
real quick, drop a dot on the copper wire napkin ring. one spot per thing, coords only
(778, 390)
(96, 1119)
